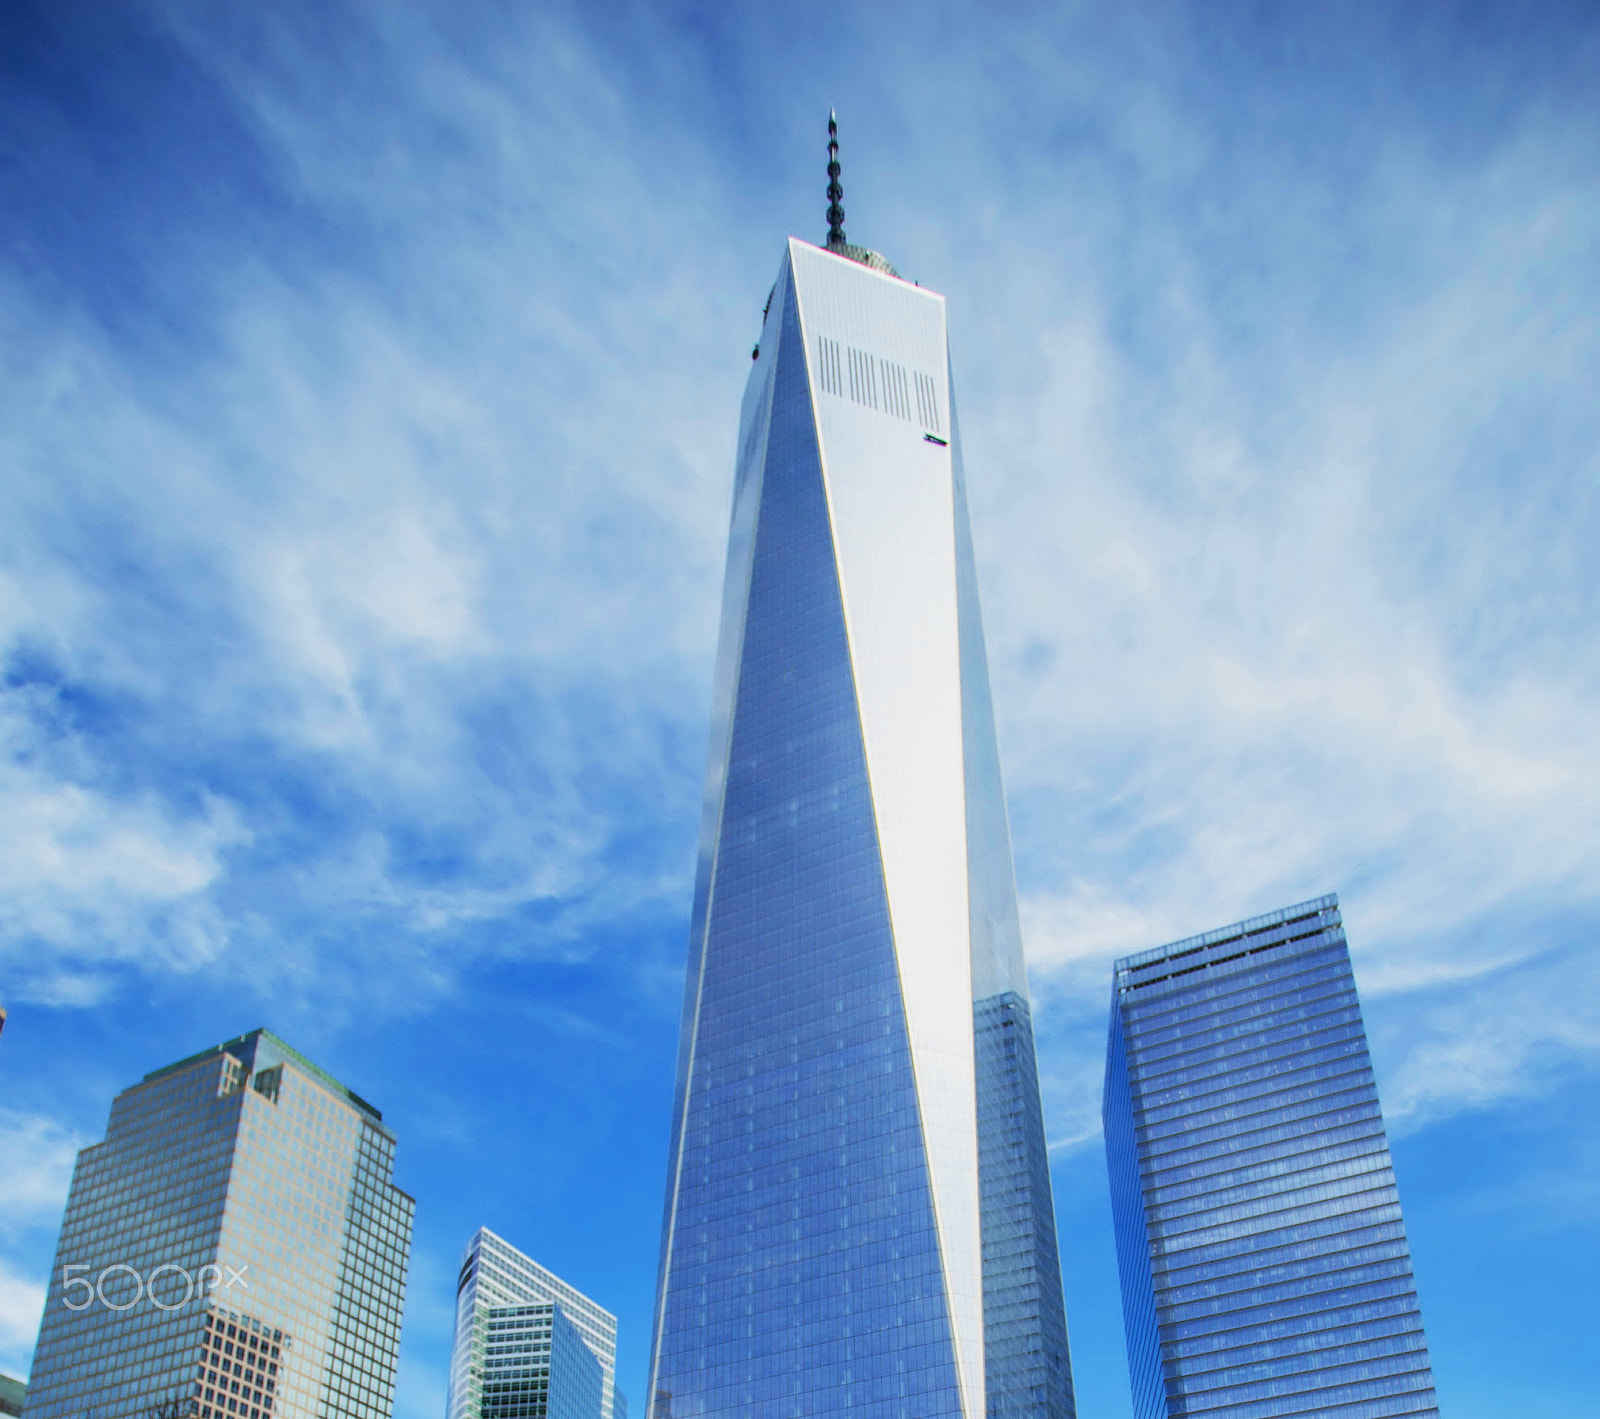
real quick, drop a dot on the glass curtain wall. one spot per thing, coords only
(1265, 1271)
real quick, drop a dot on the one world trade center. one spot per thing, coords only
(858, 1214)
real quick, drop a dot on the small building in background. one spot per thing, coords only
(235, 1248)
(527, 1345)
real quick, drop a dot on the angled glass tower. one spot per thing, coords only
(858, 1213)
(1264, 1263)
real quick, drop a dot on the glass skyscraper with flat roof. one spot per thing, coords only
(499, 1290)
(1264, 1264)
(234, 1249)
(858, 1215)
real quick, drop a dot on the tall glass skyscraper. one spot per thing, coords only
(1264, 1262)
(233, 1249)
(858, 1213)
(494, 1375)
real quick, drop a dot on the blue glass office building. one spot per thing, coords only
(858, 1215)
(1264, 1262)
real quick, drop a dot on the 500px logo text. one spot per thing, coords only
(178, 1285)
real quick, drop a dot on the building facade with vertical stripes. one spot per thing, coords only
(1264, 1264)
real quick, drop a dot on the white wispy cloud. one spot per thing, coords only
(1283, 565)
(35, 1168)
(399, 577)
(21, 1304)
(360, 585)
(453, 560)
(89, 877)
(1509, 1037)
(36, 1158)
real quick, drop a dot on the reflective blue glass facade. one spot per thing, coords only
(1263, 1259)
(858, 1203)
(1024, 1314)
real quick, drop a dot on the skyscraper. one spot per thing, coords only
(858, 1215)
(1264, 1262)
(233, 1249)
(499, 1290)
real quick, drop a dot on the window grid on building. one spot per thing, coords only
(1264, 1264)
(248, 1249)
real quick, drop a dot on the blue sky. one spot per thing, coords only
(369, 388)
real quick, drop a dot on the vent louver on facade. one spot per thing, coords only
(877, 383)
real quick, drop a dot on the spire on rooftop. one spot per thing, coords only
(837, 243)
(836, 239)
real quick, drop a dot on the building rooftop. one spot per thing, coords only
(244, 1047)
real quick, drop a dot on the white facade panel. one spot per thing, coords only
(876, 350)
(997, 960)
